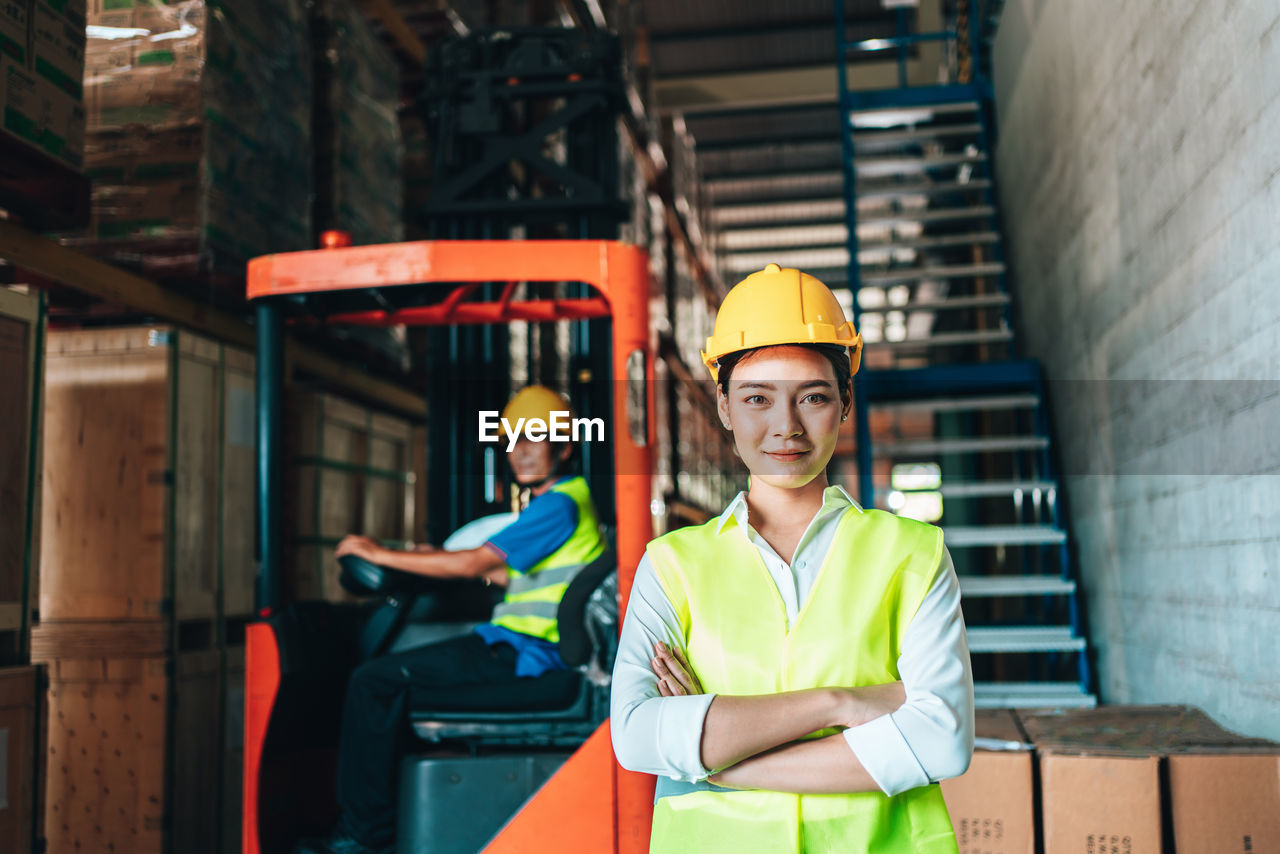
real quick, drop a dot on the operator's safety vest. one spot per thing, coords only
(848, 634)
(533, 597)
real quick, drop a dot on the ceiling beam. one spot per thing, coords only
(103, 281)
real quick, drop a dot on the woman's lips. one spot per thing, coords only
(785, 456)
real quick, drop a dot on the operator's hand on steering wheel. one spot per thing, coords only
(354, 544)
(675, 676)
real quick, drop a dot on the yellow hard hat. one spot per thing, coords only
(535, 401)
(779, 306)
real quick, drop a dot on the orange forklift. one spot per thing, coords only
(551, 728)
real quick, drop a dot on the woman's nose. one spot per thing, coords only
(786, 421)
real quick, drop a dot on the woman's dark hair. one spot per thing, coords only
(835, 354)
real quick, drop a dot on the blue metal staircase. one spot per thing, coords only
(947, 418)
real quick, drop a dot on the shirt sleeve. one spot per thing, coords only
(930, 737)
(544, 526)
(651, 733)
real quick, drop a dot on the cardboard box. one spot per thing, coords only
(41, 115)
(1100, 804)
(15, 30)
(1225, 802)
(992, 805)
(1223, 789)
(58, 45)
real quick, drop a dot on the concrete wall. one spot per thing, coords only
(1139, 170)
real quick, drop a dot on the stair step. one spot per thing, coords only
(912, 165)
(979, 489)
(944, 339)
(968, 536)
(755, 238)
(882, 117)
(962, 404)
(950, 303)
(915, 274)
(975, 586)
(1023, 639)
(925, 188)
(929, 215)
(784, 179)
(969, 239)
(1031, 695)
(893, 137)
(976, 445)
(815, 210)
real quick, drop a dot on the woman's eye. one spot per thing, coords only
(816, 397)
(755, 399)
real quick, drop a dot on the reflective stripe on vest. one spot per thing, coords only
(848, 633)
(533, 598)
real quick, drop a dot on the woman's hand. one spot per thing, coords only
(675, 676)
(354, 544)
(860, 705)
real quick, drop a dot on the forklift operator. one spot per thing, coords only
(536, 557)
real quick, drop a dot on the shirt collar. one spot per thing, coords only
(833, 498)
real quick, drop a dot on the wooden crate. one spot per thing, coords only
(351, 473)
(21, 354)
(144, 489)
(238, 510)
(21, 759)
(133, 754)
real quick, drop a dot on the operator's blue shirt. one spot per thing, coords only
(539, 531)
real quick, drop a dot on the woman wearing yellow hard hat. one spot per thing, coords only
(795, 671)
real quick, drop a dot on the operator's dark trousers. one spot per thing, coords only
(375, 722)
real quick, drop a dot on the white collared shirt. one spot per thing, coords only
(929, 738)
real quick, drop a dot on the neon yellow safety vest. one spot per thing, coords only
(533, 597)
(848, 633)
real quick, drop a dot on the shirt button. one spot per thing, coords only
(800, 564)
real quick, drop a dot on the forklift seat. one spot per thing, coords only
(560, 707)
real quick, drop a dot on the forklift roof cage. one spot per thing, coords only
(561, 817)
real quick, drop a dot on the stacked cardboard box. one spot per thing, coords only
(1115, 780)
(359, 154)
(42, 53)
(1134, 779)
(992, 805)
(199, 129)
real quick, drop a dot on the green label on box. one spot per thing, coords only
(156, 57)
(19, 125)
(114, 5)
(13, 48)
(131, 227)
(59, 78)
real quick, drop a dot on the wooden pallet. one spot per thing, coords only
(134, 748)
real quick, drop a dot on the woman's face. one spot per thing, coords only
(784, 409)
